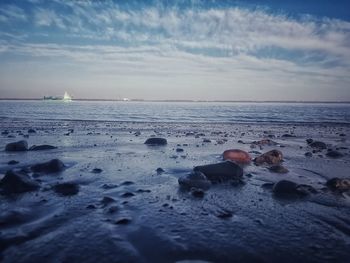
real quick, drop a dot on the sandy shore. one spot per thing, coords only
(129, 212)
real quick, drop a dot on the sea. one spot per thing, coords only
(182, 112)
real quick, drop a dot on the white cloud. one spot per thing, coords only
(47, 17)
(12, 12)
(194, 47)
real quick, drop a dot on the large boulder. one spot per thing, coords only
(196, 179)
(219, 172)
(14, 183)
(19, 146)
(272, 157)
(156, 141)
(52, 166)
(237, 156)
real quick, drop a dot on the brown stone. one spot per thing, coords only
(272, 157)
(237, 156)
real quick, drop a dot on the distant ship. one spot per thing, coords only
(66, 97)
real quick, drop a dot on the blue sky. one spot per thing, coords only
(206, 50)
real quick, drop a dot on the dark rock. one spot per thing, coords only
(41, 147)
(196, 179)
(272, 157)
(278, 169)
(206, 140)
(66, 189)
(179, 150)
(196, 192)
(19, 146)
(334, 154)
(4, 133)
(318, 145)
(96, 170)
(31, 131)
(308, 141)
(123, 221)
(339, 184)
(53, 166)
(288, 136)
(285, 187)
(308, 154)
(12, 162)
(160, 170)
(127, 183)
(342, 134)
(107, 200)
(237, 156)
(127, 194)
(91, 206)
(219, 172)
(156, 141)
(14, 183)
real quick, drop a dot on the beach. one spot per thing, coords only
(123, 201)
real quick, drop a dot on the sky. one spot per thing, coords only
(175, 50)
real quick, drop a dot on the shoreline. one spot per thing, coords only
(265, 123)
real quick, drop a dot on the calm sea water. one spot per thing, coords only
(177, 111)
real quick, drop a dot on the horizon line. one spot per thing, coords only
(188, 100)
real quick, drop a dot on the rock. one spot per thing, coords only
(308, 154)
(237, 156)
(96, 170)
(123, 221)
(52, 166)
(12, 162)
(156, 141)
(31, 131)
(285, 187)
(196, 192)
(271, 157)
(219, 172)
(278, 169)
(318, 145)
(127, 194)
(42, 147)
(14, 183)
(308, 141)
(288, 136)
(196, 179)
(19, 146)
(206, 140)
(179, 150)
(66, 189)
(334, 154)
(265, 142)
(339, 184)
(107, 200)
(160, 170)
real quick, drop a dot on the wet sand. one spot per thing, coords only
(129, 212)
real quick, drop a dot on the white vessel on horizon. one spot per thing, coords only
(66, 97)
